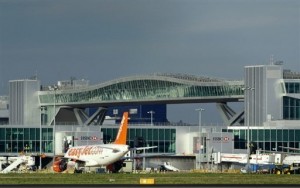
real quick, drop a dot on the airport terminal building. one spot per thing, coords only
(39, 119)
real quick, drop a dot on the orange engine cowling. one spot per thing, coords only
(60, 165)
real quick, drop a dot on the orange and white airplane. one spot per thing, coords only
(96, 155)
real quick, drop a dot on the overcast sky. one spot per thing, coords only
(100, 40)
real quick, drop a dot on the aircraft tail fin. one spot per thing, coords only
(122, 134)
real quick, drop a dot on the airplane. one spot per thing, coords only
(96, 155)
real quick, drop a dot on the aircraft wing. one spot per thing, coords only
(152, 155)
(142, 148)
(147, 155)
(112, 148)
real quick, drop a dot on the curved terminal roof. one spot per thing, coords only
(155, 88)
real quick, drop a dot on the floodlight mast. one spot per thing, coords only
(248, 89)
(199, 132)
(54, 88)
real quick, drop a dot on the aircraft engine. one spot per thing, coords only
(60, 165)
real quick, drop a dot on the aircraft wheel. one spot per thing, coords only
(78, 171)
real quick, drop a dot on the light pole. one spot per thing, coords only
(199, 140)
(54, 120)
(151, 117)
(42, 109)
(248, 124)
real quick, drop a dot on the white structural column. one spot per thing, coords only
(199, 140)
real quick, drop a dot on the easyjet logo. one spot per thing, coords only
(87, 150)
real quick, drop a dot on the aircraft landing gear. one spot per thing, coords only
(78, 171)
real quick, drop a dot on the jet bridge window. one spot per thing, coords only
(2, 133)
(2, 146)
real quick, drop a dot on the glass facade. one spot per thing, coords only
(267, 139)
(164, 139)
(143, 89)
(148, 87)
(163, 87)
(15, 140)
(292, 87)
(291, 108)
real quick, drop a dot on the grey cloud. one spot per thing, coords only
(106, 39)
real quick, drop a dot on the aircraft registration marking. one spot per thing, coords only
(87, 150)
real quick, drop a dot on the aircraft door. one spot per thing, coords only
(68, 142)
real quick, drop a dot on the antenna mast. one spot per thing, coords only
(272, 60)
